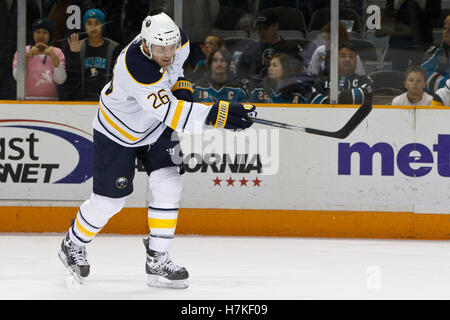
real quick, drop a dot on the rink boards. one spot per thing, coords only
(389, 179)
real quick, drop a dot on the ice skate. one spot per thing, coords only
(162, 272)
(73, 257)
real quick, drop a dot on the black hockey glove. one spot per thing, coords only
(230, 115)
(182, 90)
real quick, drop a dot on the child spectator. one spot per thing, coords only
(90, 61)
(45, 65)
(415, 84)
(217, 84)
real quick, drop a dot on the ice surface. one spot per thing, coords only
(232, 268)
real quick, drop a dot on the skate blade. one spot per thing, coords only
(72, 272)
(161, 282)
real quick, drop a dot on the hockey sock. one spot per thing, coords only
(92, 217)
(162, 222)
(166, 186)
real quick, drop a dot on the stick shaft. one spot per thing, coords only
(277, 124)
(343, 133)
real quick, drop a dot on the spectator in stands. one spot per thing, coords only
(415, 85)
(353, 88)
(412, 30)
(199, 17)
(90, 61)
(254, 61)
(437, 61)
(212, 43)
(217, 84)
(57, 12)
(45, 65)
(442, 96)
(285, 82)
(320, 59)
(8, 41)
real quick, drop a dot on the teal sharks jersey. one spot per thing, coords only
(205, 92)
(259, 96)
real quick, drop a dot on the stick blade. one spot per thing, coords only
(362, 112)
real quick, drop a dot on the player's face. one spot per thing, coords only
(219, 64)
(163, 55)
(415, 83)
(347, 61)
(93, 27)
(275, 71)
(446, 33)
(41, 35)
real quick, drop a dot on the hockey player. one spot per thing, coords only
(442, 96)
(139, 109)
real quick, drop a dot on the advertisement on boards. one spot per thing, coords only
(398, 159)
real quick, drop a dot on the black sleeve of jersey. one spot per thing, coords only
(303, 84)
(349, 95)
(345, 97)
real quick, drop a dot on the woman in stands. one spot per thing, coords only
(45, 65)
(286, 82)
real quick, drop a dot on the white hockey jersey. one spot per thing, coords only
(137, 104)
(442, 96)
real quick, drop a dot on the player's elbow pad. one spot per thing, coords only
(182, 90)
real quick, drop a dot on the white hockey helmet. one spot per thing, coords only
(160, 30)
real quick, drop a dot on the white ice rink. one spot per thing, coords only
(231, 268)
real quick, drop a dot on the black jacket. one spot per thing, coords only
(412, 24)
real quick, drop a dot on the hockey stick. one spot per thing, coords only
(343, 133)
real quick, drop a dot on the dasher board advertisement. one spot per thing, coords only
(398, 159)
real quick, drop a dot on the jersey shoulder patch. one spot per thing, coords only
(141, 69)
